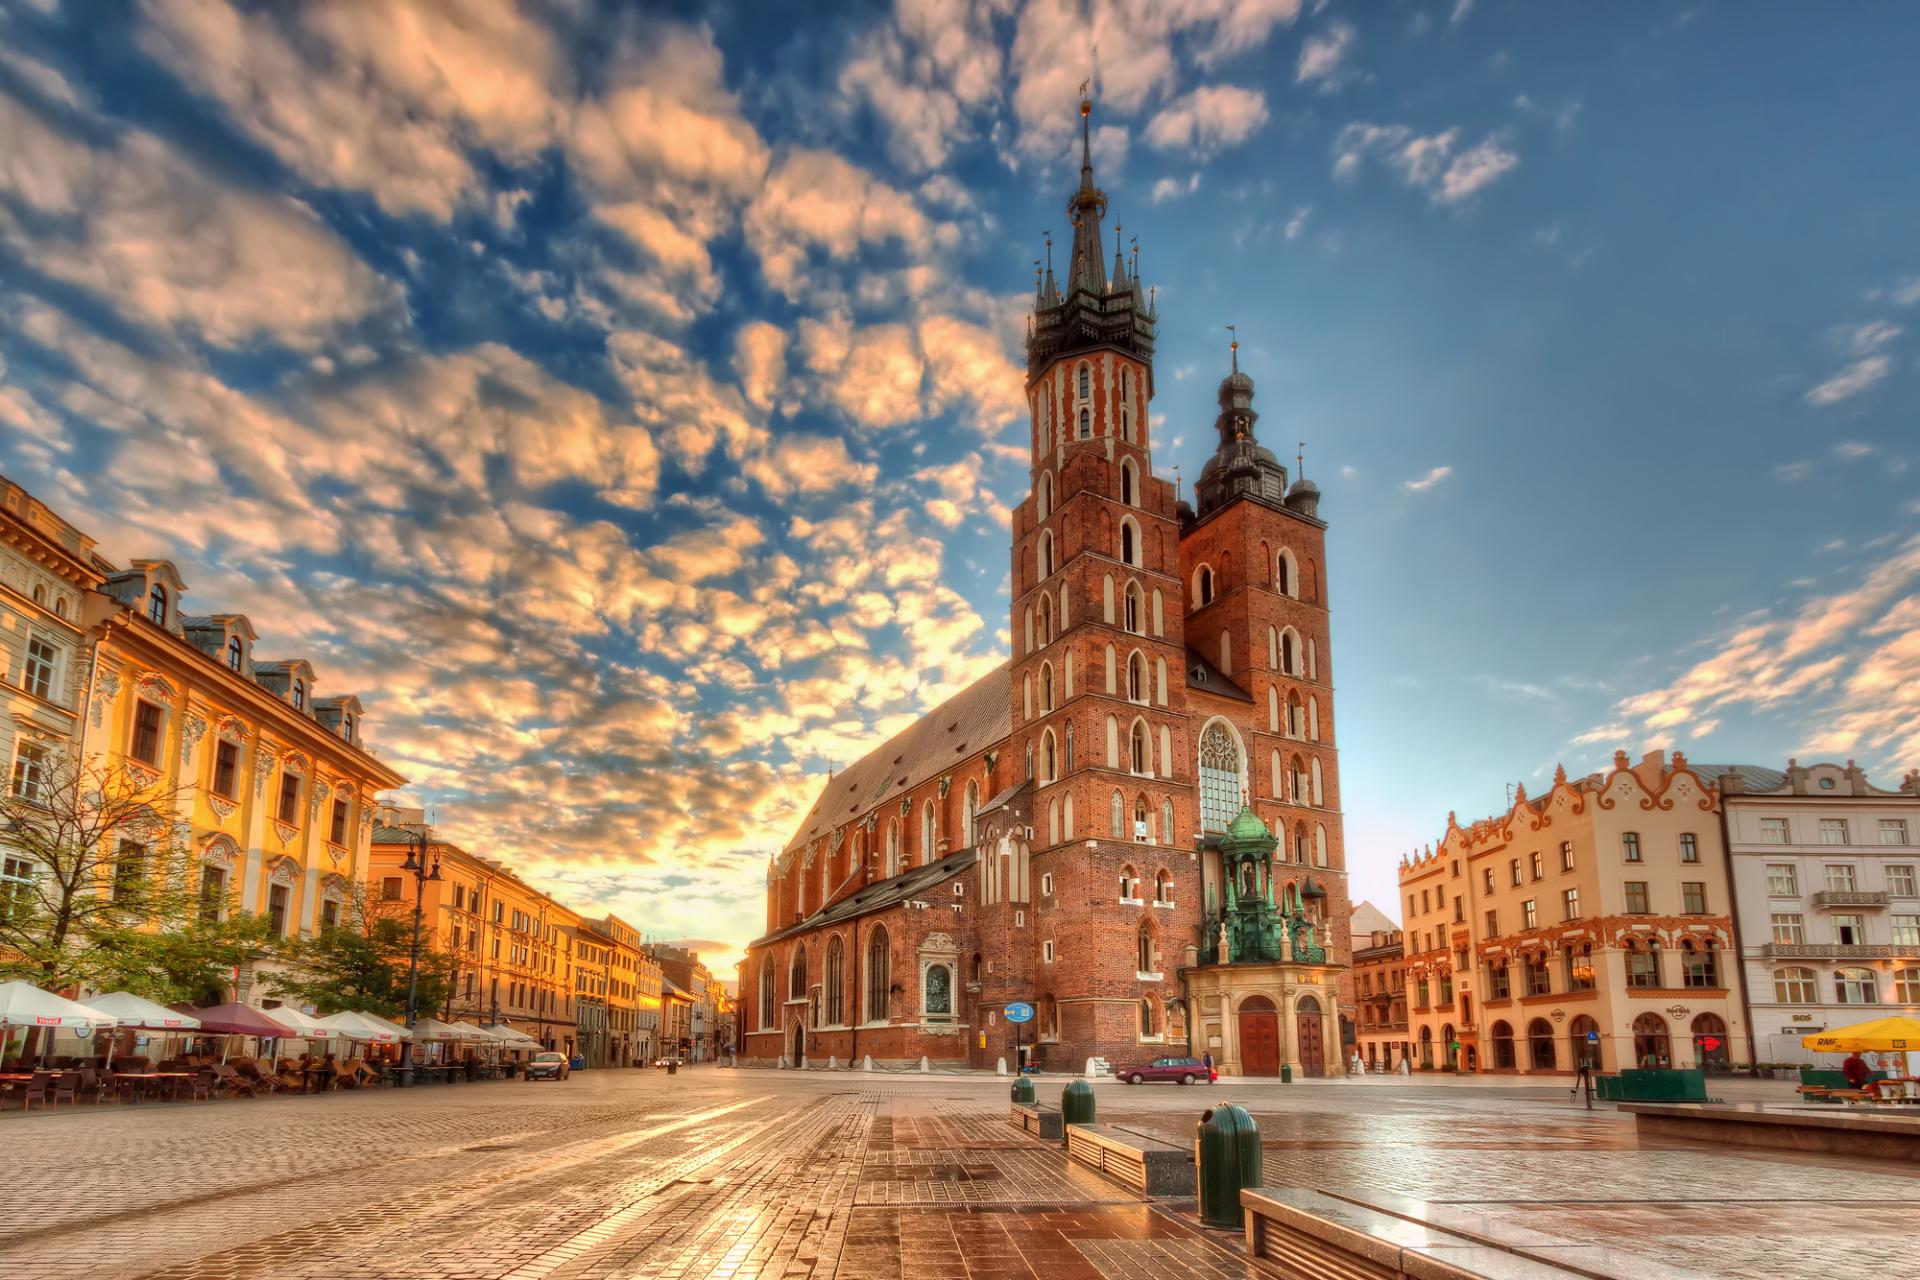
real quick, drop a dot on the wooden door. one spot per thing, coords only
(1313, 1052)
(1260, 1043)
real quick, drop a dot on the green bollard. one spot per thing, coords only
(1226, 1154)
(1076, 1103)
(1286, 1074)
(1023, 1092)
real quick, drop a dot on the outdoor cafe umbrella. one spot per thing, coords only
(130, 1010)
(24, 1005)
(234, 1019)
(1897, 1034)
(432, 1030)
(303, 1026)
(354, 1025)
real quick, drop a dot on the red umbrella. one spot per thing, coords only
(232, 1019)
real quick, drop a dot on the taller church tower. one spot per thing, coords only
(1099, 671)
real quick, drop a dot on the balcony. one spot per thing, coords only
(1840, 951)
(1850, 898)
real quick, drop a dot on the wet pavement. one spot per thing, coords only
(735, 1175)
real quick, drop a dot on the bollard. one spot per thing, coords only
(1286, 1074)
(1023, 1094)
(673, 1068)
(1226, 1155)
(1076, 1103)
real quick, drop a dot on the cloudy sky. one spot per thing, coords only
(624, 400)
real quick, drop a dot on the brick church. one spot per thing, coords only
(1051, 834)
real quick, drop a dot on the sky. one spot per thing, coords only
(625, 400)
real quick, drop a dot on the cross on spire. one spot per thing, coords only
(1234, 346)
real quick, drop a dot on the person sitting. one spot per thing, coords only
(1856, 1070)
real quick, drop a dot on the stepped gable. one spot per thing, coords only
(973, 720)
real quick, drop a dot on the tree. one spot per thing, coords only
(362, 963)
(102, 857)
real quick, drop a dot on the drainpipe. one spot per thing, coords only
(1739, 965)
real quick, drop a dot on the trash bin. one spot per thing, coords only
(1076, 1103)
(1023, 1094)
(1286, 1073)
(1226, 1156)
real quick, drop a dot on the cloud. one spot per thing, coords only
(1426, 163)
(1323, 57)
(1423, 482)
(924, 75)
(816, 205)
(1461, 9)
(1298, 222)
(152, 235)
(1861, 376)
(1208, 119)
(760, 360)
(1854, 450)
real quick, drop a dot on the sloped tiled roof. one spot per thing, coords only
(1204, 677)
(878, 896)
(974, 719)
(1754, 777)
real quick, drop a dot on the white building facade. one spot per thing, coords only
(1826, 877)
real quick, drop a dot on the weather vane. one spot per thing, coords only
(1234, 346)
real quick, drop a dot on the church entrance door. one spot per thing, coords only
(1259, 1037)
(799, 1043)
(1307, 1025)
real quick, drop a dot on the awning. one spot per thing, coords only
(130, 1010)
(302, 1026)
(435, 1031)
(364, 1026)
(233, 1019)
(24, 1005)
(1882, 1035)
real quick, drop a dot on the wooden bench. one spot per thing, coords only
(1138, 1160)
(1043, 1123)
(1310, 1233)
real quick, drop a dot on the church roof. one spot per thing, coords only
(878, 896)
(1207, 678)
(974, 719)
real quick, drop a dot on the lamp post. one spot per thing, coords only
(422, 873)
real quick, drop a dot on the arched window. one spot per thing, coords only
(1651, 1045)
(1906, 986)
(1129, 543)
(836, 991)
(1119, 816)
(1149, 955)
(1300, 844)
(797, 974)
(892, 866)
(1166, 821)
(1044, 561)
(299, 696)
(157, 605)
(1296, 720)
(1135, 609)
(766, 993)
(968, 809)
(1049, 761)
(879, 974)
(1126, 424)
(1203, 585)
(1069, 753)
(929, 834)
(1297, 790)
(1128, 488)
(1086, 424)
(1290, 652)
(1540, 1044)
(1219, 776)
(233, 653)
(1855, 986)
(1046, 620)
(1502, 1046)
(1286, 575)
(1086, 380)
(1794, 985)
(1140, 749)
(1163, 886)
(1138, 688)
(1046, 495)
(1129, 883)
(1046, 686)
(346, 727)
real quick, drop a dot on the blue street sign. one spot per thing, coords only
(1019, 1011)
(1593, 1037)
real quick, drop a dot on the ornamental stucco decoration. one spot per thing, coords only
(107, 689)
(154, 682)
(286, 872)
(946, 785)
(288, 832)
(264, 761)
(191, 732)
(222, 807)
(220, 851)
(231, 729)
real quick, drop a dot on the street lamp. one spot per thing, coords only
(422, 873)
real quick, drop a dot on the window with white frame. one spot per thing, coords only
(1893, 831)
(1856, 986)
(1906, 930)
(16, 887)
(1046, 952)
(1900, 880)
(1046, 884)
(1782, 881)
(1840, 877)
(1773, 831)
(1833, 831)
(1849, 929)
(1795, 986)
(1689, 847)
(38, 673)
(1789, 927)
(31, 764)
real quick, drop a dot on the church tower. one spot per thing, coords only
(1098, 687)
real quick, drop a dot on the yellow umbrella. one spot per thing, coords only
(1882, 1035)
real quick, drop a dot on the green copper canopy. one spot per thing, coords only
(1248, 827)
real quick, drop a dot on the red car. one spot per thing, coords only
(1181, 1070)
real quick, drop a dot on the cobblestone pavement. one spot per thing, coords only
(725, 1175)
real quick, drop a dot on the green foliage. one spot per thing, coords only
(362, 963)
(180, 959)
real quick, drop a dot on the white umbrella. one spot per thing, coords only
(364, 1026)
(24, 1005)
(435, 1031)
(303, 1026)
(131, 1010)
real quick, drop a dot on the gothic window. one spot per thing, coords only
(1140, 818)
(1166, 820)
(1219, 776)
(1140, 752)
(1129, 543)
(1069, 753)
(1129, 882)
(233, 653)
(1086, 381)
(1118, 814)
(1137, 688)
(1126, 424)
(1046, 620)
(1029, 757)
(766, 992)
(1296, 722)
(836, 991)
(1149, 1019)
(892, 867)
(1203, 586)
(1289, 652)
(1049, 764)
(1045, 558)
(1145, 949)
(879, 975)
(1286, 574)
(1046, 495)
(1134, 622)
(1128, 494)
(1297, 779)
(157, 605)
(1086, 424)
(1046, 686)
(1163, 885)
(1300, 844)
(968, 809)
(797, 975)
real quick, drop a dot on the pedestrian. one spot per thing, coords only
(1856, 1071)
(1206, 1060)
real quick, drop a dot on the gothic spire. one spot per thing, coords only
(1088, 206)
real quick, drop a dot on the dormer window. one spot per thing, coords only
(299, 695)
(157, 605)
(233, 653)
(346, 727)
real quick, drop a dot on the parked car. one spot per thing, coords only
(1179, 1070)
(669, 1061)
(547, 1066)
